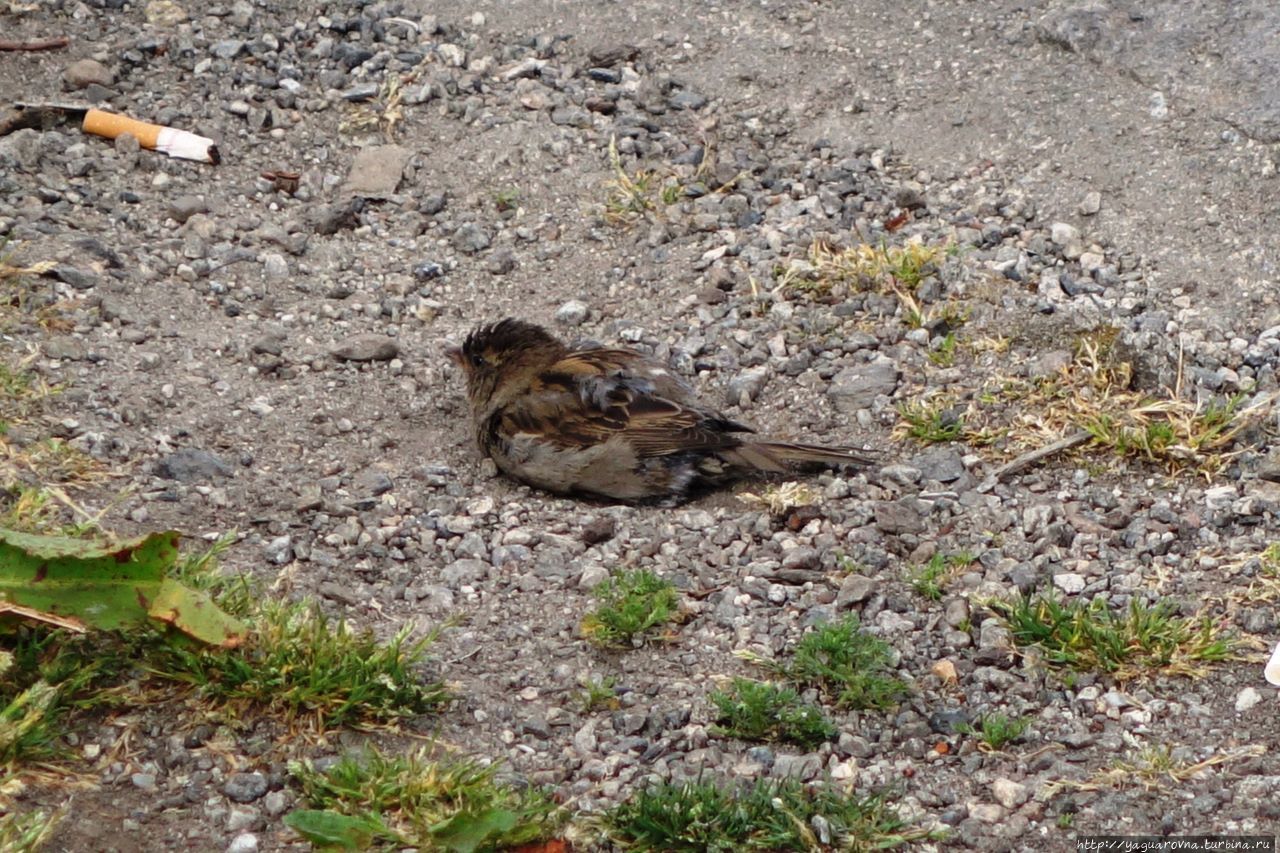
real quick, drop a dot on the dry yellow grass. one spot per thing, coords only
(1154, 769)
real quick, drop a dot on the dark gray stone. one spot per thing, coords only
(461, 572)
(183, 207)
(245, 787)
(608, 55)
(350, 55)
(899, 517)
(227, 49)
(857, 387)
(80, 279)
(801, 767)
(749, 382)
(471, 238)
(943, 464)
(948, 722)
(191, 464)
(21, 149)
(854, 589)
(368, 347)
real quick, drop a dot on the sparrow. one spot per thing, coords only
(608, 423)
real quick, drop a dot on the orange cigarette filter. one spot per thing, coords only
(110, 125)
(170, 140)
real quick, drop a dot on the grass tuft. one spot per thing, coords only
(505, 199)
(382, 113)
(1093, 393)
(43, 674)
(767, 816)
(53, 461)
(1263, 588)
(996, 731)
(843, 660)
(415, 800)
(931, 422)
(29, 725)
(931, 579)
(630, 194)
(759, 711)
(630, 604)
(1138, 640)
(944, 354)
(15, 383)
(1171, 431)
(21, 392)
(839, 659)
(645, 194)
(306, 666)
(29, 509)
(863, 267)
(599, 695)
(27, 832)
(233, 592)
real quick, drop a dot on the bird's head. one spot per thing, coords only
(495, 354)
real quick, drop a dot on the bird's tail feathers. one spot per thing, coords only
(778, 456)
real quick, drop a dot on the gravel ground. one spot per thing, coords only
(251, 357)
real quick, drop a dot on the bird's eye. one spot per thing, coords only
(477, 360)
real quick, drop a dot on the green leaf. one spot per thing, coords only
(107, 585)
(466, 831)
(334, 829)
(193, 613)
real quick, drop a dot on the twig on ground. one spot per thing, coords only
(35, 44)
(1031, 457)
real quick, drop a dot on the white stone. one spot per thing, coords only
(1063, 233)
(1090, 261)
(241, 818)
(894, 623)
(698, 520)
(1219, 497)
(1069, 582)
(592, 576)
(452, 54)
(844, 771)
(1247, 699)
(1009, 793)
(987, 812)
(1091, 204)
(274, 266)
(481, 506)
(572, 313)
(1050, 287)
(245, 842)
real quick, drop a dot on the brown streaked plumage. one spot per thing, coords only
(607, 422)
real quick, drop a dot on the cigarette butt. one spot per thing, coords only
(111, 125)
(1272, 672)
(170, 140)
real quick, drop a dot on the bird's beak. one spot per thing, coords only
(455, 355)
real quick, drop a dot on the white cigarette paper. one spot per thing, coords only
(1272, 672)
(185, 144)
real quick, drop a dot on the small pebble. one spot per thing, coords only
(1247, 699)
(572, 313)
(245, 842)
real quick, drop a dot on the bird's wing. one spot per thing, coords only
(591, 396)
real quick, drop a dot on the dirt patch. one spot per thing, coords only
(234, 352)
